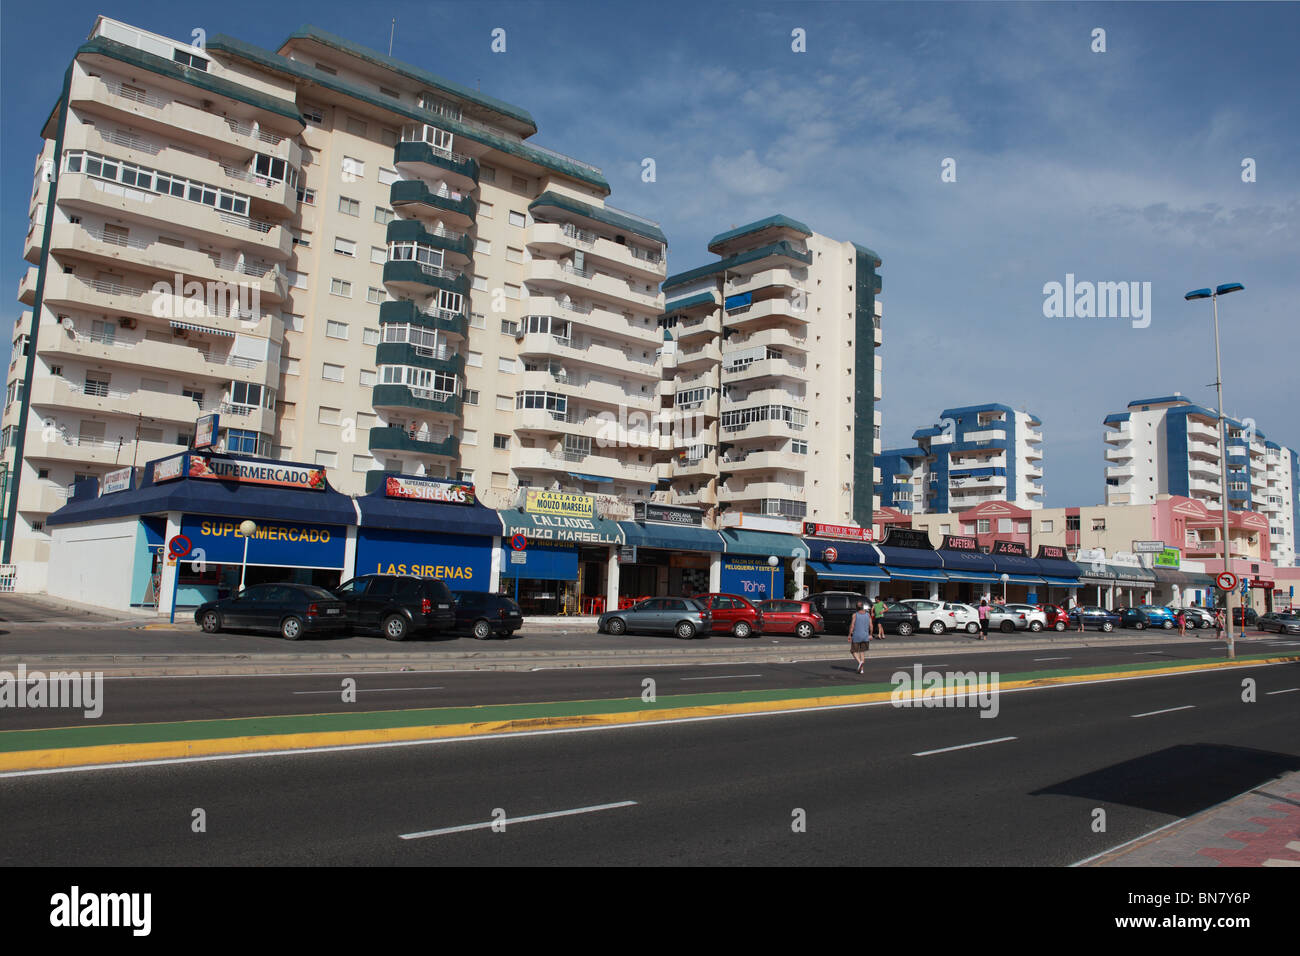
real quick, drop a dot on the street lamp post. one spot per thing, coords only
(772, 562)
(1213, 296)
(1005, 578)
(247, 529)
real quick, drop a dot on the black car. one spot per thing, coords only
(1284, 622)
(838, 607)
(485, 615)
(1252, 617)
(294, 610)
(1198, 617)
(397, 604)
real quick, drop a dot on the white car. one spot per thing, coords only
(940, 616)
(1035, 620)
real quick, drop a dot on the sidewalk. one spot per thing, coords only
(41, 610)
(1258, 828)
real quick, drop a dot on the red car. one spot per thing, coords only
(791, 617)
(1058, 618)
(732, 614)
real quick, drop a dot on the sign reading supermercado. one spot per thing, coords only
(257, 473)
(451, 493)
(283, 544)
(559, 503)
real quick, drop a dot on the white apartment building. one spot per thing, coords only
(974, 454)
(1170, 445)
(775, 376)
(354, 262)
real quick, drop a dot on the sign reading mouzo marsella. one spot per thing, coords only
(561, 504)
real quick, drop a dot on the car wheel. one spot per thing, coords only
(482, 630)
(804, 630)
(937, 627)
(1107, 626)
(291, 628)
(211, 622)
(616, 626)
(905, 629)
(1059, 626)
(685, 630)
(972, 628)
(1139, 625)
(1035, 626)
(1169, 625)
(395, 627)
(742, 629)
(1007, 627)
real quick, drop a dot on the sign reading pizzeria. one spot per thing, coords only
(1052, 551)
(258, 473)
(441, 492)
(560, 504)
(845, 531)
(1011, 547)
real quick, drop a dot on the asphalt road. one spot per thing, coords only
(870, 785)
(150, 699)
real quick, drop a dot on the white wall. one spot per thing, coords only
(92, 563)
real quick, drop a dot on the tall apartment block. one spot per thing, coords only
(354, 262)
(974, 454)
(775, 375)
(1170, 445)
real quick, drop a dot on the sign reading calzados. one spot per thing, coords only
(559, 503)
(258, 473)
(451, 493)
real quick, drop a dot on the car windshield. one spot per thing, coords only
(315, 593)
(696, 605)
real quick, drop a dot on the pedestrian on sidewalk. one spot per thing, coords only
(1181, 618)
(984, 619)
(878, 618)
(1218, 623)
(1078, 609)
(860, 635)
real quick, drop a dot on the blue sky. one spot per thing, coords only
(1115, 166)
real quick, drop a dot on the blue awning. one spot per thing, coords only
(972, 577)
(847, 572)
(1023, 579)
(1062, 582)
(1017, 564)
(912, 558)
(542, 561)
(406, 514)
(915, 574)
(762, 543)
(849, 552)
(967, 562)
(581, 477)
(1058, 568)
(667, 537)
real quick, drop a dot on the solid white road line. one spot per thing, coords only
(981, 743)
(1289, 690)
(1038, 660)
(528, 819)
(366, 690)
(723, 677)
(1168, 710)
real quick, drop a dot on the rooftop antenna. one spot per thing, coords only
(391, 31)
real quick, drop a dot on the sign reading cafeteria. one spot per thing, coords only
(257, 473)
(960, 542)
(444, 492)
(274, 543)
(851, 532)
(560, 503)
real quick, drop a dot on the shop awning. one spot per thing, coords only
(1057, 571)
(1023, 569)
(407, 514)
(915, 574)
(846, 552)
(668, 537)
(966, 562)
(847, 572)
(555, 528)
(761, 544)
(596, 478)
(1023, 579)
(971, 577)
(1061, 582)
(912, 558)
(206, 329)
(1128, 575)
(542, 562)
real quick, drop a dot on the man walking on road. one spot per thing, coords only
(860, 636)
(878, 618)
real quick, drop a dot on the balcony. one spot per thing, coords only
(1197, 466)
(448, 240)
(118, 450)
(399, 439)
(67, 342)
(774, 338)
(406, 312)
(760, 489)
(766, 312)
(790, 280)
(559, 239)
(27, 287)
(551, 277)
(458, 212)
(774, 368)
(1113, 436)
(161, 406)
(406, 398)
(590, 389)
(691, 360)
(599, 319)
(705, 497)
(442, 359)
(417, 278)
(772, 428)
(764, 396)
(762, 461)
(418, 158)
(606, 465)
(689, 329)
(579, 352)
(1206, 432)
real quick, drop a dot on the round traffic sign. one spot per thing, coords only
(831, 554)
(518, 542)
(179, 546)
(1226, 580)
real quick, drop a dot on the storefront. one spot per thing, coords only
(843, 565)
(108, 545)
(568, 556)
(1024, 582)
(667, 551)
(747, 566)
(1060, 573)
(1134, 584)
(1096, 583)
(971, 573)
(915, 568)
(427, 527)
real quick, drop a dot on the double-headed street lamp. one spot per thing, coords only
(1213, 296)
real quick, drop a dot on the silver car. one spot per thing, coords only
(1035, 619)
(684, 617)
(1003, 617)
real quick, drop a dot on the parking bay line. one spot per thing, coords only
(1289, 690)
(528, 819)
(980, 743)
(361, 690)
(723, 677)
(1040, 659)
(1167, 710)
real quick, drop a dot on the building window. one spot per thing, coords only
(504, 404)
(332, 373)
(327, 416)
(519, 184)
(384, 216)
(501, 442)
(799, 447)
(189, 59)
(474, 359)
(369, 336)
(509, 327)
(327, 459)
(514, 255)
(289, 365)
(306, 197)
(1098, 524)
(367, 378)
(482, 247)
(1045, 527)
(512, 291)
(362, 462)
(1071, 522)
(357, 127)
(353, 169)
(378, 255)
(340, 287)
(518, 219)
(375, 296)
(302, 238)
(487, 174)
(336, 330)
(507, 365)
(349, 207)
(469, 437)
(292, 322)
(484, 209)
(239, 441)
(982, 526)
(345, 247)
(471, 396)
(477, 320)
(480, 283)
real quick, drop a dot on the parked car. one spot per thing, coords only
(1197, 617)
(1035, 617)
(1058, 618)
(485, 615)
(1094, 616)
(899, 619)
(838, 607)
(732, 614)
(1252, 617)
(684, 617)
(799, 618)
(294, 610)
(939, 616)
(397, 604)
(1003, 618)
(1284, 622)
(1147, 615)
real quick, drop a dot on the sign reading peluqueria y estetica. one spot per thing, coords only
(257, 473)
(276, 543)
(119, 480)
(444, 492)
(560, 503)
